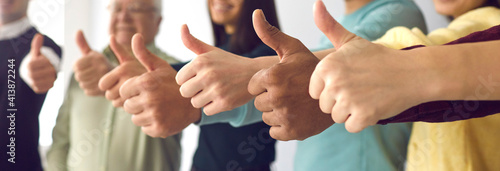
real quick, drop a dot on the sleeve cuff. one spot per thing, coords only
(241, 116)
(50, 54)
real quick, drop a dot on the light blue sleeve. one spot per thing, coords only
(378, 21)
(373, 21)
(241, 116)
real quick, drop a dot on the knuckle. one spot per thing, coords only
(225, 104)
(353, 128)
(200, 62)
(109, 95)
(78, 76)
(274, 75)
(148, 82)
(32, 65)
(158, 129)
(336, 119)
(89, 92)
(322, 67)
(136, 121)
(210, 76)
(196, 103)
(265, 119)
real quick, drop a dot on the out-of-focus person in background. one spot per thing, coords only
(91, 133)
(29, 63)
(461, 145)
(222, 146)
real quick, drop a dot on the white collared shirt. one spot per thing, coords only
(16, 29)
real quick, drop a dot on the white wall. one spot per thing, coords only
(67, 16)
(48, 18)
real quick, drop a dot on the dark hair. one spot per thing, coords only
(244, 39)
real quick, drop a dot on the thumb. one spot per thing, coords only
(283, 44)
(121, 54)
(335, 32)
(192, 43)
(36, 44)
(82, 42)
(150, 61)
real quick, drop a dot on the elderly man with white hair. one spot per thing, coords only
(91, 132)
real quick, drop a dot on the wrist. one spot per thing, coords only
(445, 74)
(264, 62)
(195, 115)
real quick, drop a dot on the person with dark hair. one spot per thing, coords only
(222, 146)
(29, 68)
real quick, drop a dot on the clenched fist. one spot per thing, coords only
(41, 72)
(153, 98)
(90, 67)
(215, 80)
(362, 83)
(128, 68)
(282, 90)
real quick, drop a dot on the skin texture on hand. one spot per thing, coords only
(282, 90)
(361, 82)
(215, 80)
(129, 67)
(153, 98)
(41, 72)
(90, 67)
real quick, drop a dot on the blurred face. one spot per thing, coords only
(133, 16)
(11, 10)
(225, 12)
(456, 8)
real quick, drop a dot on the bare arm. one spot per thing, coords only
(464, 71)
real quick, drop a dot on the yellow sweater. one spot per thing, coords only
(467, 145)
(472, 21)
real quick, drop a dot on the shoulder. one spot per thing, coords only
(391, 7)
(385, 15)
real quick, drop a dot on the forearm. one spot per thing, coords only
(445, 111)
(268, 61)
(264, 62)
(463, 71)
(322, 53)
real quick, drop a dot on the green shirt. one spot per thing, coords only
(91, 134)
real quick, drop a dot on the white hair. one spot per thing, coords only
(157, 4)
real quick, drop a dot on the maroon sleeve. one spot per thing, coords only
(448, 111)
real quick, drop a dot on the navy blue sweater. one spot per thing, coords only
(19, 130)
